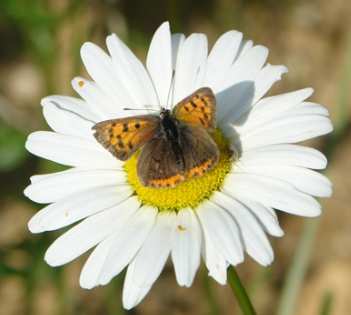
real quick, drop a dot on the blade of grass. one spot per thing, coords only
(298, 268)
(327, 304)
(213, 306)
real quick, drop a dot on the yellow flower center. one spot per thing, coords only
(189, 193)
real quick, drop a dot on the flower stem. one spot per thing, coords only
(240, 292)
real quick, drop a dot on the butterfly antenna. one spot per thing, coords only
(171, 90)
(152, 109)
(153, 84)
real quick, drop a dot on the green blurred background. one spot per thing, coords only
(39, 55)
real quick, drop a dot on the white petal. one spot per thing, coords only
(271, 107)
(133, 294)
(98, 101)
(264, 114)
(247, 67)
(222, 230)
(90, 273)
(127, 242)
(159, 62)
(254, 239)
(90, 232)
(187, 247)
(73, 105)
(149, 261)
(234, 101)
(63, 184)
(271, 192)
(71, 151)
(289, 129)
(225, 49)
(77, 207)
(100, 68)
(305, 180)
(266, 216)
(284, 154)
(66, 122)
(215, 262)
(245, 46)
(309, 108)
(38, 178)
(132, 73)
(190, 66)
(237, 90)
(107, 255)
(221, 57)
(177, 41)
(266, 78)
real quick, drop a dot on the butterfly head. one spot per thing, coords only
(165, 113)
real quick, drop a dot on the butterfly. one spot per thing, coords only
(175, 145)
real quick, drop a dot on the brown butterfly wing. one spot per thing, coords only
(122, 137)
(198, 109)
(163, 163)
(200, 151)
(158, 165)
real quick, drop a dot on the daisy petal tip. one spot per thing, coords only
(267, 263)
(47, 100)
(331, 127)
(88, 50)
(235, 33)
(262, 50)
(104, 280)
(281, 70)
(111, 37)
(27, 144)
(187, 285)
(163, 30)
(313, 213)
(112, 40)
(78, 83)
(328, 192)
(86, 283)
(239, 259)
(85, 48)
(34, 226)
(221, 279)
(44, 101)
(277, 71)
(50, 259)
(309, 91)
(132, 295)
(27, 192)
(185, 282)
(278, 233)
(165, 25)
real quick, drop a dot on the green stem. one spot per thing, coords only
(298, 268)
(240, 292)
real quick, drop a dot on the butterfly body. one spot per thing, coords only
(175, 145)
(170, 131)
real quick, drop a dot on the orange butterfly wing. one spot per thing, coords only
(198, 109)
(123, 137)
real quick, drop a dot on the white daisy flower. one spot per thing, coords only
(219, 216)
